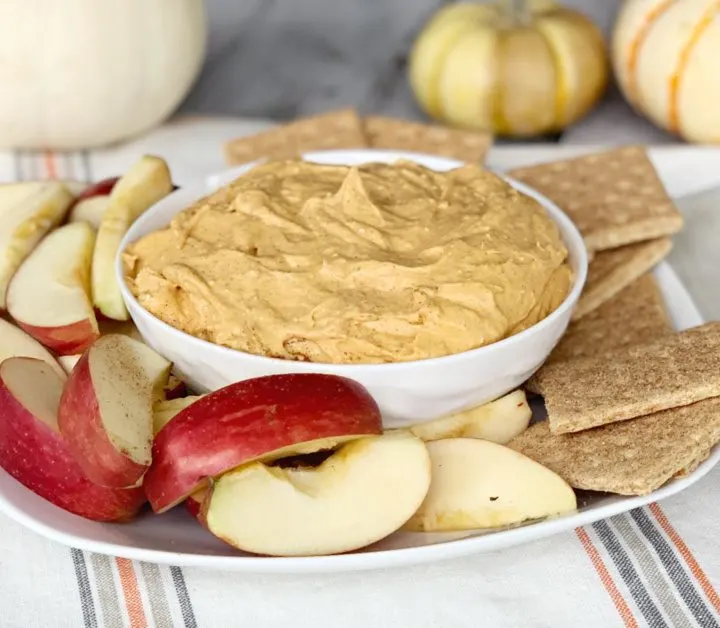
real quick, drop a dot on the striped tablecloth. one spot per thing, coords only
(656, 566)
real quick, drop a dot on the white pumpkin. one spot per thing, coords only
(83, 73)
(666, 57)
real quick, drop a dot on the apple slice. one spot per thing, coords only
(99, 188)
(90, 210)
(479, 484)
(142, 186)
(127, 328)
(49, 295)
(25, 223)
(361, 494)
(166, 409)
(34, 453)
(257, 419)
(498, 421)
(15, 343)
(106, 409)
(194, 504)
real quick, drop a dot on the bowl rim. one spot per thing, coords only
(211, 182)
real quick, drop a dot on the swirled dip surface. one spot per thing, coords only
(377, 263)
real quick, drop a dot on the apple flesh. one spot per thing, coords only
(479, 484)
(166, 409)
(25, 223)
(498, 421)
(15, 343)
(49, 295)
(258, 419)
(105, 412)
(142, 186)
(34, 453)
(361, 494)
(90, 210)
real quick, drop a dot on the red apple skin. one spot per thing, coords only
(250, 419)
(65, 340)
(100, 188)
(175, 389)
(37, 456)
(194, 505)
(82, 427)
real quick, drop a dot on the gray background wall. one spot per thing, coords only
(282, 58)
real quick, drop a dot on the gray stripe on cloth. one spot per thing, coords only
(159, 606)
(629, 576)
(684, 583)
(83, 581)
(659, 584)
(183, 597)
(107, 591)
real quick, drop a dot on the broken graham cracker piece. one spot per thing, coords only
(611, 271)
(614, 197)
(629, 458)
(395, 134)
(675, 370)
(635, 315)
(336, 129)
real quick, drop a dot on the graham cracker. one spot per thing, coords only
(336, 129)
(685, 471)
(675, 370)
(635, 315)
(614, 197)
(629, 458)
(612, 271)
(391, 133)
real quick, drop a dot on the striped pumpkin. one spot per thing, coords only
(666, 56)
(516, 67)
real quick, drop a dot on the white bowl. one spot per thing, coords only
(407, 392)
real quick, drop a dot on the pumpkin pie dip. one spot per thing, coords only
(369, 264)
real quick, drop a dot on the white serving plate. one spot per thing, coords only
(175, 538)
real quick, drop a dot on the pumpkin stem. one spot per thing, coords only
(515, 12)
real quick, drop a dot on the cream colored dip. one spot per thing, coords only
(369, 264)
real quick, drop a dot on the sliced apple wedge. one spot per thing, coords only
(142, 186)
(361, 494)
(34, 453)
(258, 419)
(105, 412)
(25, 223)
(49, 295)
(15, 343)
(90, 210)
(194, 504)
(479, 484)
(498, 421)
(99, 188)
(166, 409)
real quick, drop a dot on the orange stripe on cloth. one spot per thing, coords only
(618, 600)
(687, 556)
(131, 592)
(50, 165)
